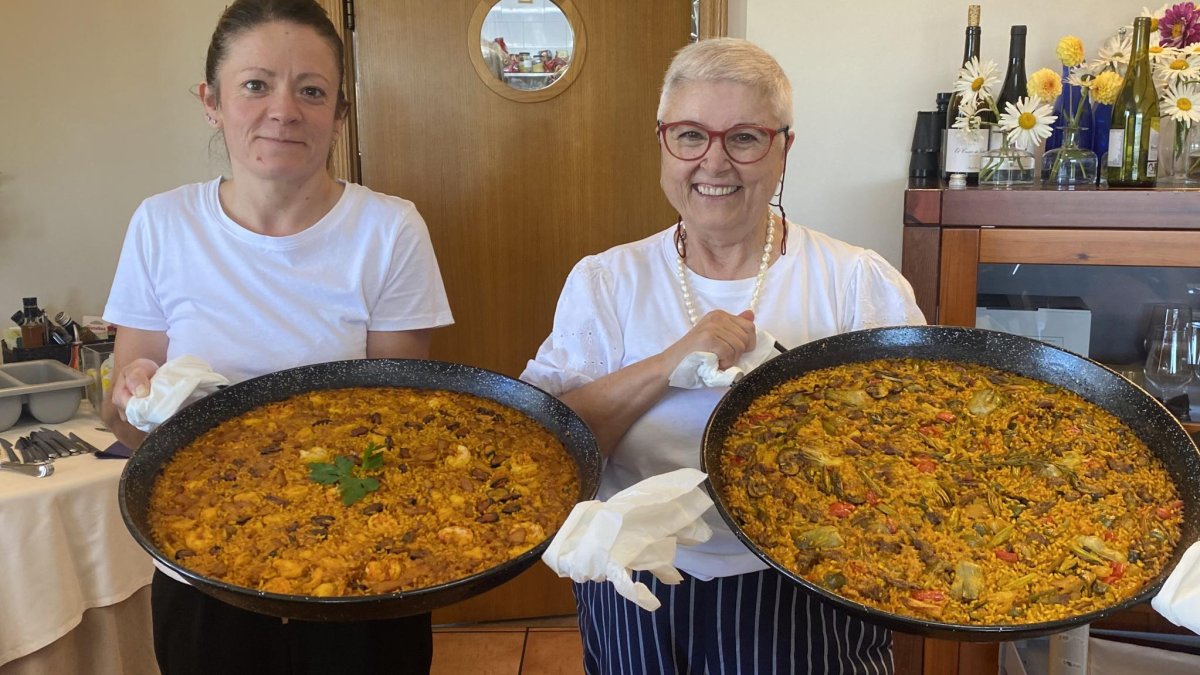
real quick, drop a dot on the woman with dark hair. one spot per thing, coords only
(277, 265)
(629, 316)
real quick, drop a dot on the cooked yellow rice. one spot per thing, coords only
(466, 484)
(950, 491)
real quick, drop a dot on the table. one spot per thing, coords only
(63, 546)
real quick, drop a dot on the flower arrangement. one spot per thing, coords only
(1174, 62)
(1025, 123)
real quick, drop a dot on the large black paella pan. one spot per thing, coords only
(160, 446)
(1147, 418)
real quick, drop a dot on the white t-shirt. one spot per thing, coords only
(251, 304)
(625, 305)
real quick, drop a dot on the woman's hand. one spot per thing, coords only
(719, 332)
(136, 357)
(611, 404)
(132, 380)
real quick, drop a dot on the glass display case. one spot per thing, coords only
(1094, 261)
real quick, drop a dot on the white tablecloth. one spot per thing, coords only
(63, 545)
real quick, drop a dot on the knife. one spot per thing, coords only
(46, 446)
(8, 450)
(35, 451)
(45, 436)
(76, 445)
(87, 446)
(28, 455)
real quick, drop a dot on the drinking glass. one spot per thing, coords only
(1169, 351)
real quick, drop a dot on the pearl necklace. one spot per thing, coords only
(681, 272)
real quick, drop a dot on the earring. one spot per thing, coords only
(211, 119)
(680, 238)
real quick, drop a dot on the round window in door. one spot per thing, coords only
(527, 50)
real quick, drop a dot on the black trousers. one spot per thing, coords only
(195, 634)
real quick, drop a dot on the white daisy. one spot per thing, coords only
(1081, 76)
(1183, 67)
(968, 115)
(1027, 122)
(1114, 55)
(975, 79)
(1155, 16)
(1161, 53)
(1182, 102)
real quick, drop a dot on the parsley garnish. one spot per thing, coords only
(350, 478)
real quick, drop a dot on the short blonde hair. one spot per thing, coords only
(730, 60)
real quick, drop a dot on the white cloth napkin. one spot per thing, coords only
(176, 383)
(636, 529)
(699, 369)
(1179, 598)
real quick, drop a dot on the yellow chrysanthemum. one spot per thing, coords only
(1106, 86)
(1045, 84)
(1070, 51)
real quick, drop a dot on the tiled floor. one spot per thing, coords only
(535, 647)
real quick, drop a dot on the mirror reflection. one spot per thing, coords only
(527, 44)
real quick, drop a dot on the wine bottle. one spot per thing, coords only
(1014, 80)
(943, 109)
(962, 148)
(1133, 133)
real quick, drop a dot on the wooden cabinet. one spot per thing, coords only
(948, 234)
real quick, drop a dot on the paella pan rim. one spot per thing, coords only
(1148, 418)
(160, 446)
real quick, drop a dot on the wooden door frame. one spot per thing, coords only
(714, 18)
(343, 157)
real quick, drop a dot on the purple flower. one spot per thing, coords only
(1180, 26)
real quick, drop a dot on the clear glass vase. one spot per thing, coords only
(1006, 166)
(1182, 165)
(1070, 166)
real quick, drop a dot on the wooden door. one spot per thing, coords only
(514, 193)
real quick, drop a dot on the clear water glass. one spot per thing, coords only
(1170, 350)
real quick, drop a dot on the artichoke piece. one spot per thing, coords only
(983, 402)
(834, 580)
(825, 536)
(1098, 548)
(820, 458)
(968, 581)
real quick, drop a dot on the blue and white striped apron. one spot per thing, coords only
(750, 624)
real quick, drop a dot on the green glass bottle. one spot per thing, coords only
(1133, 135)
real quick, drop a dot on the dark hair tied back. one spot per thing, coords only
(245, 15)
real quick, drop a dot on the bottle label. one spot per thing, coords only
(1152, 154)
(1116, 141)
(963, 148)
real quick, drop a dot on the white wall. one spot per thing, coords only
(861, 72)
(96, 114)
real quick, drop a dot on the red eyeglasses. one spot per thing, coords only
(743, 144)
